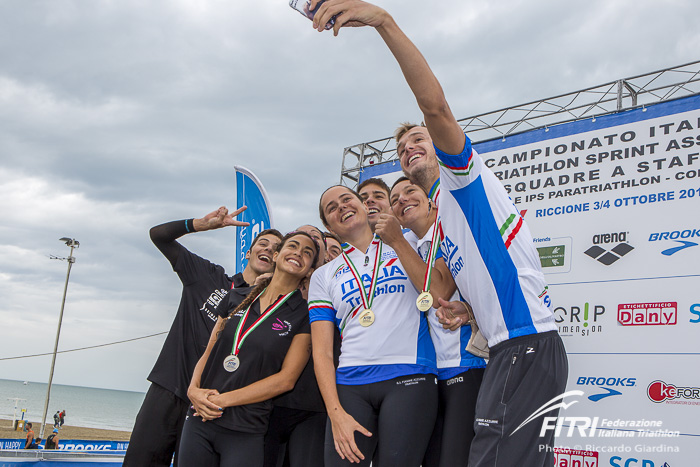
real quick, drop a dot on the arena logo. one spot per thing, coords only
(675, 236)
(660, 391)
(575, 458)
(576, 320)
(617, 461)
(606, 384)
(608, 257)
(648, 314)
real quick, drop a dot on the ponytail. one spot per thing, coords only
(247, 301)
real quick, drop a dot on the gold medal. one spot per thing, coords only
(424, 301)
(366, 317)
(231, 363)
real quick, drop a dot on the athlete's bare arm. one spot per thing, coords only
(343, 424)
(442, 125)
(441, 285)
(199, 396)
(284, 380)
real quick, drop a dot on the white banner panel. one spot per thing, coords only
(613, 204)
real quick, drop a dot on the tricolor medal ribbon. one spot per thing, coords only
(366, 315)
(425, 301)
(233, 362)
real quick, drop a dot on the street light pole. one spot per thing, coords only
(72, 243)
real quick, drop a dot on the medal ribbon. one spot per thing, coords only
(433, 195)
(369, 299)
(432, 253)
(240, 337)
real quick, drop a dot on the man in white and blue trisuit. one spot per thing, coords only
(489, 251)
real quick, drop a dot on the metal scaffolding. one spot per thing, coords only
(616, 96)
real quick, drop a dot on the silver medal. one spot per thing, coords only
(231, 363)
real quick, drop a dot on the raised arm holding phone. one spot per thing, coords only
(499, 271)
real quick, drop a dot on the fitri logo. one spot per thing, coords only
(607, 257)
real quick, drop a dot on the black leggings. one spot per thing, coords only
(302, 432)
(400, 413)
(156, 434)
(208, 444)
(454, 428)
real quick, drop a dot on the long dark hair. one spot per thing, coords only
(263, 283)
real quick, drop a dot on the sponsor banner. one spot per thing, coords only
(640, 461)
(555, 253)
(605, 386)
(647, 314)
(618, 389)
(695, 313)
(661, 391)
(643, 316)
(72, 445)
(612, 206)
(570, 457)
(251, 193)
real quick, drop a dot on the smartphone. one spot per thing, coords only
(302, 6)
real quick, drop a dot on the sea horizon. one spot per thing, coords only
(85, 406)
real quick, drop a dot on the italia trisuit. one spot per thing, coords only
(489, 250)
(397, 343)
(452, 357)
(386, 369)
(459, 378)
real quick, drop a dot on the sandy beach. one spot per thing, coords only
(66, 432)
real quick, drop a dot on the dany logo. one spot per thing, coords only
(647, 314)
(572, 457)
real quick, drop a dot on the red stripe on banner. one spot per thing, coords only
(514, 232)
(390, 262)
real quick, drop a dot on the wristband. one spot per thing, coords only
(189, 225)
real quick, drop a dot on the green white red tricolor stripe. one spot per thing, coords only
(241, 336)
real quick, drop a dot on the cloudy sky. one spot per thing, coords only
(119, 115)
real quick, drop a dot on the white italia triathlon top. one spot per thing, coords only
(489, 250)
(398, 342)
(450, 346)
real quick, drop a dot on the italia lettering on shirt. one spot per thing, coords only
(452, 255)
(391, 279)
